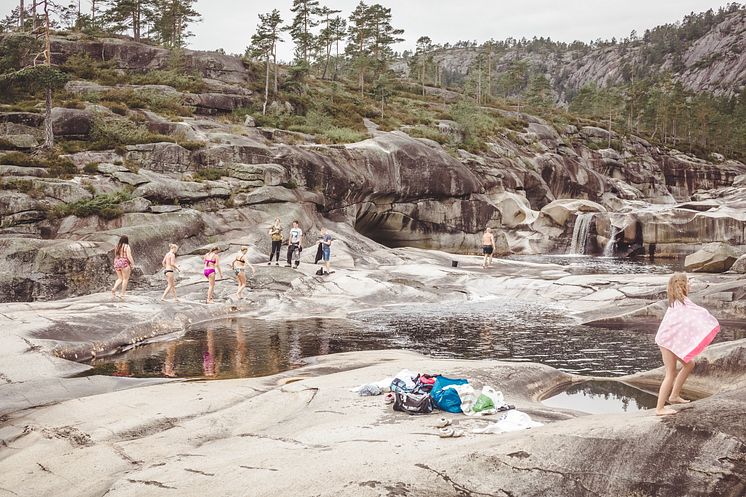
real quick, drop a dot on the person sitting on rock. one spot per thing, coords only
(275, 233)
(239, 268)
(488, 247)
(169, 266)
(294, 245)
(212, 264)
(683, 334)
(123, 264)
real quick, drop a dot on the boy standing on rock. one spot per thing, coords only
(488, 247)
(294, 244)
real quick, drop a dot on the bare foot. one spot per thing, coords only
(666, 411)
(678, 400)
(210, 301)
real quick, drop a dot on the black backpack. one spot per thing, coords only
(413, 403)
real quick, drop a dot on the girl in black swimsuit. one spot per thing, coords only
(239, 268)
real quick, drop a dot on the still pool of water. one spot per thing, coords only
(602, 397)
(587, 264)
(494, 329)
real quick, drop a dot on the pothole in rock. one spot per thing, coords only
(601, 397)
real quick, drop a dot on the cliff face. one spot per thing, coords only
(715, 62)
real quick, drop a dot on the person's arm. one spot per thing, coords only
(129, 256)
(253, 271)
(217, 265)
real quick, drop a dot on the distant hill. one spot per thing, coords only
(706, 52)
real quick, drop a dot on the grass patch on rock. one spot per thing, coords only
(106, 206)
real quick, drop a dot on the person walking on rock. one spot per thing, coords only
(123, 264)
(275, 233)
(683, 334)
(488, 247)
(169, 266)
(294, 245)
(326, 249)
(239, 268)
(212, 264)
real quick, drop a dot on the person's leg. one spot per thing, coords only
(125, 280)
(241, 284)
(484, 260)
(117, 283)
(211, 287)
(168, 286)
(291, 248)
(675, 397)
(296, 255)
(669, 363)
(276, 245)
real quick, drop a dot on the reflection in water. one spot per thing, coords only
(494, 329)
(598, 397)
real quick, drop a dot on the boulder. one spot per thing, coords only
(137, 204)
(30, 119)
(180, 191)
(161, 157)
(249, 122)
(594, 132)
(269, 174)
(740, 265)
(561, 210)
(543, 132)
(64, 191)
(23, 142)
(22, 171)
(712, 258)
(216, 102)
(72, 123)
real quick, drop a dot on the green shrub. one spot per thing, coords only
(73, 104)
(115, 133)
(192, 145)
(83, 66)
(61, 167)
(153, 100)
(209, 174)
(22, 159)
(173, 78)
(91, 168)
(342, 135)
(116, 108)
(21, 185)
(421, 131)
(106, 206)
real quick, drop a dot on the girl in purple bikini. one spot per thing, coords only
(212, 264)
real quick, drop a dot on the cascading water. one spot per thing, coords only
(609, 248)
(580, 233)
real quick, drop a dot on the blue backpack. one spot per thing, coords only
(448, 399)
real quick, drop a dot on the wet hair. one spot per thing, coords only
(123, 240)
(296, 222)
(244, 248)
(214, 249)
(173, 246)
(678, 288)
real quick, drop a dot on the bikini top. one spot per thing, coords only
(209, 261)
(240, 259)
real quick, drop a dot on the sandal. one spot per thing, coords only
(389, 398)
(442, 423)
(449, 432)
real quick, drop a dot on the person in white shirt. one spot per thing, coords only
(294, 245)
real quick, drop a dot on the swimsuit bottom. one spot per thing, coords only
(238, 270)
(168, 271)
(121, 263)
(209, 271)
(487, 249)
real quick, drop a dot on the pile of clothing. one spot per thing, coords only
(418, 393)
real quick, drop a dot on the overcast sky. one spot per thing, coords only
(229, 24)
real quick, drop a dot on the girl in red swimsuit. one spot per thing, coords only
(212, 263)
(123, 263)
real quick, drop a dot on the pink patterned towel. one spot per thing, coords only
(687, 329)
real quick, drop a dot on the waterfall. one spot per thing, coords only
(609, 248)
(580, 233)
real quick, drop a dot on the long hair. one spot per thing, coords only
(123, 240)
(678, 288)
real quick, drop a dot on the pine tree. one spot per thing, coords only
(383, 89)
(264, 45)
(359, 47)
(172, 21)
(327, 36)
(306, 13)
(125, 15)
(421, 58)
(339, 32)
(384, 36)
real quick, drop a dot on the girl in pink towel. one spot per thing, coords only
(685, 331)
